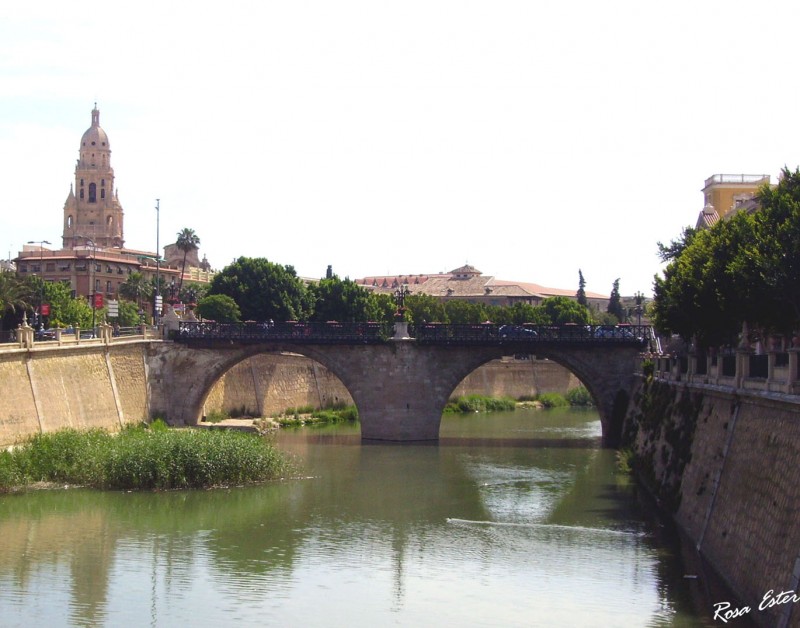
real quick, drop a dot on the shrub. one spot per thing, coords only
(216, 416)
(479, 403)
(552, 400)
(579, 397)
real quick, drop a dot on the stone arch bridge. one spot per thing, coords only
(399, 384)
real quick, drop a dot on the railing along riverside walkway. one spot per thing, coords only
(772, 371)
(25, 337)
(519, 336)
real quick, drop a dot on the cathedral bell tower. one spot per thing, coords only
(92, 210)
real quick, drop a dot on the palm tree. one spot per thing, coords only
(136, 288)
(187, 241)
(14, 294)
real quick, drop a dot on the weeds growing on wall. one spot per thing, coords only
(661, 432)
(142, 457)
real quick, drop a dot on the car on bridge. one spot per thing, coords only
(621, 331)
(516, 332)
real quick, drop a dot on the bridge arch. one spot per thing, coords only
(399, 387)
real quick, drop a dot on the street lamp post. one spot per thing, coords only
(41, 244)
(157, 296)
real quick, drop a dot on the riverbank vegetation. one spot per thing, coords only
(295, 417)
(290, 417)
(480, 403)
(142, 457)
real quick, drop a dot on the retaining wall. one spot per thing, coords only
(48, 388)
(726, 465)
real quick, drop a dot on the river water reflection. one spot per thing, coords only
(514, 519)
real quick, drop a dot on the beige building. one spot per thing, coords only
(725, 194)
(93, 259)
(467, 283)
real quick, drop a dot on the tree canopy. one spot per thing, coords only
(343, 300)
(220, 308)
(263, 290)
(742, 269)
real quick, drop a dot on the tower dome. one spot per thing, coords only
(92, 211)
(95, 138)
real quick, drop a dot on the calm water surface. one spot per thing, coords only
(515, 519)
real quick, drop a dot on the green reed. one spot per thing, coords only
(142, 457)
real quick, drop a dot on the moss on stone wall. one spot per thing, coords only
(660, 429)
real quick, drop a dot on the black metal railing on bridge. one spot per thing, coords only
(490, 333)
(426, 333)
(298, 332)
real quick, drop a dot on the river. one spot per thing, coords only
(514, 519)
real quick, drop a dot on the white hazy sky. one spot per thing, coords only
(529, 139)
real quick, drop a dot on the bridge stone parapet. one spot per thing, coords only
(400, 387)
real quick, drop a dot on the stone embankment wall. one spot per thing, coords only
(268, 384)
(49, 388)
(726, 465)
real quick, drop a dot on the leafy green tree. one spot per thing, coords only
(263, 290)
(671, 251)
(463, 312)
(424, 308)
(562, 310)
(187, 241)
(128, 314)
(774, 263)
(66, 310)
(381, 307)
(581, 294)
(615, 303)
(714, 283)
(220, 308)
(341, 300)
(518, 314)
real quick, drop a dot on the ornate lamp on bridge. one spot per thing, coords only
(400, 323)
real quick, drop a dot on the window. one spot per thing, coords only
(97, 285)
(81, 193)
(98, 268)
(92, 192)
(23, 268)
(109, 289)
(50, 267)
(102, 193)
(69, 222)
